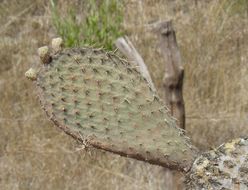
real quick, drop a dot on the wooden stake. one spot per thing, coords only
(174, 71)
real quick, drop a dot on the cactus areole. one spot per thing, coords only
(102, 100)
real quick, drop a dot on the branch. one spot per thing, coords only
(127, 48)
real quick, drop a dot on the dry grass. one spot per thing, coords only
(35, 155)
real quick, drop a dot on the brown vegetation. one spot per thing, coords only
(213, 39)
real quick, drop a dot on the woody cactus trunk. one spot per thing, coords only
(103, 101)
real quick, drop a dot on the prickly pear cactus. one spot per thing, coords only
(103, 101)
(225, 168)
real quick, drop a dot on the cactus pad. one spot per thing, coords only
(103, 101)
(223, 168)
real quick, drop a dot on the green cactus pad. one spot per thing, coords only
(103, 101)
(223, 168)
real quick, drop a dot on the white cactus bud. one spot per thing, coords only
(44, 54)
(31, 74)
(57, 44)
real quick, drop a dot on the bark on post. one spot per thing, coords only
(174, 71)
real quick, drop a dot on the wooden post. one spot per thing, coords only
(174, 71)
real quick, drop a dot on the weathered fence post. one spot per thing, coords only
(174, 71)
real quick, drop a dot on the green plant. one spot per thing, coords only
(104, 102)
(101, 25)
(101, 99)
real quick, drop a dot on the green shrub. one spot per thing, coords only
(100, 27)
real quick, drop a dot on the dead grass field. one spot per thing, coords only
(35, 155)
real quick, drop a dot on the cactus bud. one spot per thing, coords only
(57, 44)
(31, 74)
(44, 54)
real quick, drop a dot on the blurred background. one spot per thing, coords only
(213, 39)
